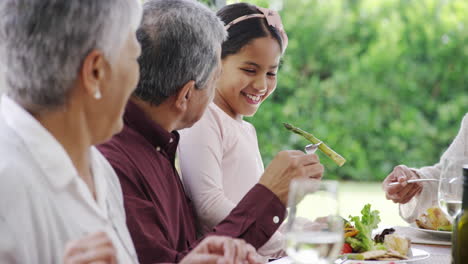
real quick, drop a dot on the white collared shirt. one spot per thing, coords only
(43, 202)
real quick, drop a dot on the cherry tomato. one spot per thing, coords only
(346, 249)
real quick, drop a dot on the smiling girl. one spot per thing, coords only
(219, 156)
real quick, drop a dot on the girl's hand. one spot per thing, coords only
(287, 165)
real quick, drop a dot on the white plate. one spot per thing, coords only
(445, 234)
(418, 254)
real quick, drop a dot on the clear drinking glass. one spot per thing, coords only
(314, 229)
(451, 186)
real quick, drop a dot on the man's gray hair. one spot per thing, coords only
(180, 42)
(44, 43)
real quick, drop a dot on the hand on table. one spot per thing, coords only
(96, 248)
(403, 192)
(222, 250)
(287, 165)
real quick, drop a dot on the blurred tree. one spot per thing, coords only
(382, 82)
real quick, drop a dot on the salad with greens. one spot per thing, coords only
(362, 241)
(360, 245)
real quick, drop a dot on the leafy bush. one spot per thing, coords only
(382, 82)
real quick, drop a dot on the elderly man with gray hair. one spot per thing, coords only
(180, 64)
(70, 67)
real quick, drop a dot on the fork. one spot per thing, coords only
(415, 180)
(341, 260)
(311, 148)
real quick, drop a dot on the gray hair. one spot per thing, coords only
(44, 43)
(180, 41)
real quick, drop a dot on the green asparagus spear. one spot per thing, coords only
(339, 160)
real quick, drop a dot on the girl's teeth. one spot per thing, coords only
(253, 97)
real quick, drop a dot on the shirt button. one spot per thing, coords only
(158, 148)
(276, 219)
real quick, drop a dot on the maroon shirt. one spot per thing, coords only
(160, 217)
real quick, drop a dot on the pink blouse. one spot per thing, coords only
(220, 162)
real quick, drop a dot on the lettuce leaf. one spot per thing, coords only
(365, 224)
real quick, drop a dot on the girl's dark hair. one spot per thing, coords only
(242, 33)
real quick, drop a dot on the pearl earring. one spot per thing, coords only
(97, 94)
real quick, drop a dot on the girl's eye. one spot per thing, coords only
(249, 70)
(273, 74)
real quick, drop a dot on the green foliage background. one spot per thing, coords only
(382, 82)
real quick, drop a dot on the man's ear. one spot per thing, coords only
(184, 95)
(93, 73)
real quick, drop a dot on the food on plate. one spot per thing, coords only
(379, 238)
(337, 158)
(397, 243)
(388, 254)
(434, 219)
(385, 246)
(376, 255)
(346, 249)
(369, 221)
(350, 231)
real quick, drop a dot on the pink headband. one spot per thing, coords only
(273, 19)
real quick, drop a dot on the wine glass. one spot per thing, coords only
(451, 186)
(314, 229)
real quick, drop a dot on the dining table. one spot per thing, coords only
(437, 244)
(440, 254)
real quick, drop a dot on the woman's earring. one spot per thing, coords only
(97, 94)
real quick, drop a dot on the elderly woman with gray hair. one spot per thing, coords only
(70, 67)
